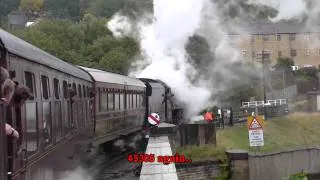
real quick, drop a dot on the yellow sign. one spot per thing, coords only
(251, 118)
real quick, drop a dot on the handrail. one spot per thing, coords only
(274, 102)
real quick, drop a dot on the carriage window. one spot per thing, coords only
(132, 101)
(142, 101)
(122, 101)
(45, 87)
(88, 91)
(116, 101)
(110, 101)
(84, 91)
(138, 99)
(128, 101)
(56, 88)
(135, 100)
(65, 89)
(30, 83)
(74, 87)
(32, 129)
(103, 101)
(79, 89)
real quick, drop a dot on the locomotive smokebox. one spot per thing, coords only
(199, 133)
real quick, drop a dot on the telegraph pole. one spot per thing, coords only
(264, 85)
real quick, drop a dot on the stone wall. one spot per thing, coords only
(274, 166)
(198, 170)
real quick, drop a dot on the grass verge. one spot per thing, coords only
(294, 131)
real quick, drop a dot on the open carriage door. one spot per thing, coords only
(3, 140)
(3, 144)
(16, 149)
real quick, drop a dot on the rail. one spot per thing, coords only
(275, 102)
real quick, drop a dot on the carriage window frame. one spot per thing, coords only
(79, 91)
(116, 97)
(30, 82)
(111, 102)
(84, 91)
(74, 87)
(45, 87)
(65, 89)
(56, 88)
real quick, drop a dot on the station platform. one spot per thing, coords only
(159, 146)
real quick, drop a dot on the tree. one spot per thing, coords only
(284, 62)
(283, 74)
(65, 9)
(105, 8)
(31, 5)
(116, 61)
(6, 6)
(87, 43)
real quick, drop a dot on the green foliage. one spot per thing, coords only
(88, 43)
(31, 5)
(297, 176)
(283, 75)
(130, 8)
(66, 9)
(105, 8)
(6, 6)
(285, 62)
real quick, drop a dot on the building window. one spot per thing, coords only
(265, 37)
(307, 51)
(253, 54)
(307, 37)
(293, 52)
(259, 55)
(244, 52)
(252, 38)
(292, 37)
(278, 37)
(279, 53)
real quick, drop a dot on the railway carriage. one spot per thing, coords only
(50, 124)
(118, 105)
(72, 108)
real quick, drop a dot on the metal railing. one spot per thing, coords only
(275, 102)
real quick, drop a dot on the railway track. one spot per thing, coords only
(116, 166)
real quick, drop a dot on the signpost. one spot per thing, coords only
(255, 127)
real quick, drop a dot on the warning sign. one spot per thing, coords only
(255, 122)
(154, 119)
(256, 137)
(255, 127)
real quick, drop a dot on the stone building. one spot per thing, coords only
(282, 39)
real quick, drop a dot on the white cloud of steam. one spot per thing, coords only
(120, 144)
(78, 174)
(163, 45)
(120, 25)
(287, 9)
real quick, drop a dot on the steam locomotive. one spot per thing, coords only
(72, 109)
